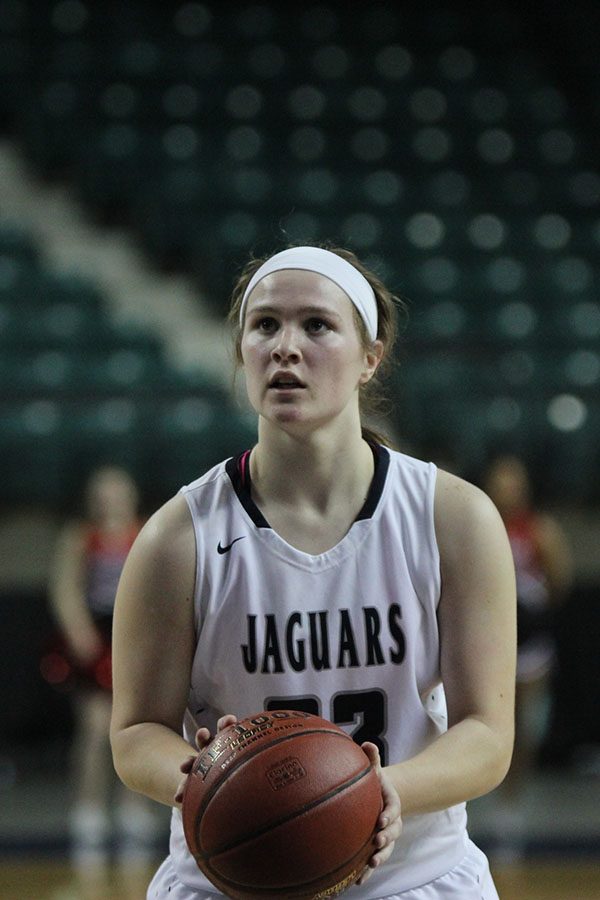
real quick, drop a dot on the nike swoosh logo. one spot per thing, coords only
(229, 546)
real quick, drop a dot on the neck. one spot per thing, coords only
(317, 468)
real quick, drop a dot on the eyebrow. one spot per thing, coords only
(263, 308)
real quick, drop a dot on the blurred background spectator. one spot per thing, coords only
(90, 554)
(543, 571)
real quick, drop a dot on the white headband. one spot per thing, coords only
(332, 266)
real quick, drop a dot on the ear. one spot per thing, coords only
(372, 358)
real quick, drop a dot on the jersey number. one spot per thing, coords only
(366, 710)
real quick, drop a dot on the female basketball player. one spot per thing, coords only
(324, 571)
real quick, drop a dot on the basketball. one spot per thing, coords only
(283, 804)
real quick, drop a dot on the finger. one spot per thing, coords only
(365, 875)
(203, 737)
(380, 840)
(180, 791)
(390, 814)
(381, 856)
(372, 752)
(226, 721)
(390, 821)
(384, 842)
(391, 831)
(186, 765)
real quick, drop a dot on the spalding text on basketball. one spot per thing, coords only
(224, 748)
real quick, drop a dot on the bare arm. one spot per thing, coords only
(67, 595)
(153, 647)
(477, 621)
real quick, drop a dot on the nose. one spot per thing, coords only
(286, 347)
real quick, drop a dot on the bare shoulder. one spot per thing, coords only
(455, 496)
(476, 561)
(166, 546)
(464, 515)
(171, 523)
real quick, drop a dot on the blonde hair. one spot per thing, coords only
(373, 402)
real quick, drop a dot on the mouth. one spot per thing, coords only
(284, 382)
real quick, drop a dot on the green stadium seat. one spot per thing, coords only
(197, 433)
(34, 452)
(16, 243)
(433, 144)
(114, 430)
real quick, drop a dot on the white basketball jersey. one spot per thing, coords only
(350, 634)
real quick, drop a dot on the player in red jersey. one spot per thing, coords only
(543, 573)
(88, 561)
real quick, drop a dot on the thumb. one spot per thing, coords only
(372, 752)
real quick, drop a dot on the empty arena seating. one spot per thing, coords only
(438, 144)
(76, 390)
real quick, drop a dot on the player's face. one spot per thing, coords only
(303, 356)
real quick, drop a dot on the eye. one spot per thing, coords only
(316, 326)
(266, 324)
